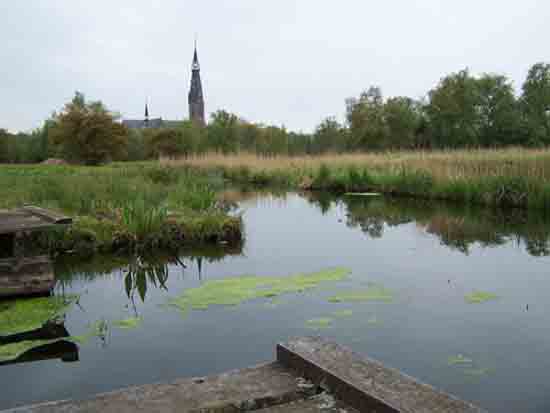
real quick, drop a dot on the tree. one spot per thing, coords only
(223, 132)
(453, 111)
(498, 111)
(88, 133)
(365, 118)
(4, 146)
(329, 136)
(535, 104)
(403, 118)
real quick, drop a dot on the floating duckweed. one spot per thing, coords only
(373, 320)
(19, 316)
(129, 323)
(318, 323)
(343, 313)
(478, 297)
(476, 372)
(234, 291)
(12, 351)
(374, 293)
(459, 360)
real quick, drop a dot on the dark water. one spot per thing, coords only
(430, 255)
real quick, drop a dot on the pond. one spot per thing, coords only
(456, 297)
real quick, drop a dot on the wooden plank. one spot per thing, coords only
(48, 215)
(28, 276)
(363, 383)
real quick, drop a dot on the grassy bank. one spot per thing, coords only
(511, 177)
(131, 206)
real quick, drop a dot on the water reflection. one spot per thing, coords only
(456, 227)
(141, 273)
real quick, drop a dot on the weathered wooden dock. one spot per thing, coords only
(20, 274)
(310, 375)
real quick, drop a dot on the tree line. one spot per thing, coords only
(461, 111)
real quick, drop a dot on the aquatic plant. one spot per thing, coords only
(237, 290)
(479, 297)
(373, 320)
(342, 313)
(23, 315)
(12, 351)
(319, 323)
(129, 323)
(459, 360)
(373, 293)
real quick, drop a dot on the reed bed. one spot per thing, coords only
(515, 177)
(442, 165)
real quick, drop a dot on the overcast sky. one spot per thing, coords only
(286, 62)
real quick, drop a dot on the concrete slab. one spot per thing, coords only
(240, 390)
(363, 383)
(322, 403)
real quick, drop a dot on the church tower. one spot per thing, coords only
(195, 98)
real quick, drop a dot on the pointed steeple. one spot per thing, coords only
(196, 65)
(195, 97)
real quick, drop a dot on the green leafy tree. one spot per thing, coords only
(88, 133)
(453, 111)
(329, 136)
(4, 146)
(403, 118)
(365, 117)
(498, 110)
(535, 104)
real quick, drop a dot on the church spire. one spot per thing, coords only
(195, 98)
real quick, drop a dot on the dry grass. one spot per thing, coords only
(442, 165)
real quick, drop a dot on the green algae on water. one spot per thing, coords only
(477, 372)
(23, 315)
(373, 293)
(459, 360)
(479, 297)
(342, 313)
(374, 321)
(319, 323)
(129, 323)
(237, 290)
(12, 351)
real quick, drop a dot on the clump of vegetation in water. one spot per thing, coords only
(12, 351)
(19, 316)
(373, 293)
(129, 323)
(319, 323)
(234, 291)
(459, 360)
(374, 321)
(342, 313)
(479, 297)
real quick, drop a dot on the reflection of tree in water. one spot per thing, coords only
(457, 227)
(139, 273)
(372, 214)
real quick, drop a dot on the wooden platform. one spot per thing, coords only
(30, 218)
(26, 276)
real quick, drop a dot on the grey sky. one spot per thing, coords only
(290, 62)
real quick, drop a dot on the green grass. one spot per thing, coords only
(123, 205)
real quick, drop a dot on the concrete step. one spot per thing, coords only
(240, 390)
(322, 403)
